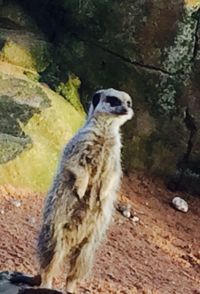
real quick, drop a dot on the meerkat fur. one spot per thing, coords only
(79, 204)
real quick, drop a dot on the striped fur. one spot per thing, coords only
(80, 202)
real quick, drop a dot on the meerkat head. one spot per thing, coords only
(117, 105)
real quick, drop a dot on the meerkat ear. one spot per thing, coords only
(96, 99)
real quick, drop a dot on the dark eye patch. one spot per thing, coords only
(113, 101)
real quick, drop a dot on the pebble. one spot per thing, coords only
(119, 222)
(16, 203)
(125, 209)
(32, 220)
(135, 219)
(2, 211)
(126, 213)
(180, 204)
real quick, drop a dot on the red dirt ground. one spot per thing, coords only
(158, 255)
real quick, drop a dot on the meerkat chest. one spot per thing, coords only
(105, 160)
(106, 173)
(105, 187)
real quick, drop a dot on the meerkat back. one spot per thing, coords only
(79, 204)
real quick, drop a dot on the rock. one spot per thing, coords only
(125, 209)
(22, 43)
(180, 204)
(2, 211)
(135, 219)
(163, 74)
(126, 213)
(16, 203)
(7, 286)
(29, 53)
(38, 291)
(69, 90)
(119, 221)
(32, 220)
(35, 123)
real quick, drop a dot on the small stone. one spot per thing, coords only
(126, 213)
(125, 209)
(32, 220)
(119, 221)
(16, 203)
(135, 219)
(180, 204)
(2, 211)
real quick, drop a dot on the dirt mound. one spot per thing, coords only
(159, 254)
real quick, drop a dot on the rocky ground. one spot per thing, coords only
(159, 254)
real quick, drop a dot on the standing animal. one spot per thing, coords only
(79, 204)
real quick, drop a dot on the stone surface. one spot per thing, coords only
(150, 49)
(35, 124)
(135, 219)
(126, 213)
(21, 42)
(180, 204)
(7, 287)
(25, 51)
(16, 203)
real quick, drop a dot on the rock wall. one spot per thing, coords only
(148, 48)
(35, 122)
(35, 125)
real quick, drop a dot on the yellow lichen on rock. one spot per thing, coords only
(16, 54)
(29, 52)
(192, 3)
(69, 90)
(49, 130)
(35, 122)
(7, 68)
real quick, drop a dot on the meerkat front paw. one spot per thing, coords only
(81, 185)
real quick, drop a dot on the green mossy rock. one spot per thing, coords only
(150, 49)
(69, 90)
(30, 54)
(21, 42)
(35, 123)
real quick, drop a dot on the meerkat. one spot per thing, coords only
(79, 205)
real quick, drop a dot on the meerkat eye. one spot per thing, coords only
(96, 99)
(113, 101)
